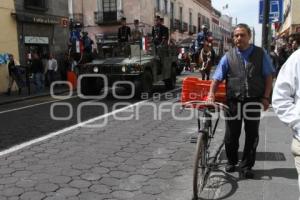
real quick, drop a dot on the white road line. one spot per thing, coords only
(34, 105)
(53, 134)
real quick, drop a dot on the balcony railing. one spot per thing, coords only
(112, 17)
(192, 29)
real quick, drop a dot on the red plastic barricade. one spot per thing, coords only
(72, 78)
(195, 89)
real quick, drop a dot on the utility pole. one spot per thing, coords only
(253, 35)
(265, 25)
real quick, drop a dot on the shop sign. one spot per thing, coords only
(275, 12)
(38, 19)
(45, 20)
(36, 40)
(64, 22)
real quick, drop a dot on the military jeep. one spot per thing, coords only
(129, 62)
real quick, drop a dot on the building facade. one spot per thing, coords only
(103, 16)
(226, 32)
(8, 39)
(187, 17)
(42, 27)
(216, 32)
(183, 17)
(291, 21)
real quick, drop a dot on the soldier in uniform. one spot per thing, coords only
(136, 33)
(160, 33)
(202, 36)
(156, 32)
(165, 32)
(124, 32)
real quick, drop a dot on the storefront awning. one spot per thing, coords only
(284, 33)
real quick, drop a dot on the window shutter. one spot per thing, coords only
(100, 5)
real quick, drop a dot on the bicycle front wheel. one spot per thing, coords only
(199, 168)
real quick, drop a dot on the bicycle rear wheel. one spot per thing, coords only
(199, 168)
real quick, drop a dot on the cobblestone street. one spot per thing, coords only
(134, 159)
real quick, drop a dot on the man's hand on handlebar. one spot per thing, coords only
(210, 98)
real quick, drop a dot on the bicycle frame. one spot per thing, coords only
(207, 123)
(206, 131)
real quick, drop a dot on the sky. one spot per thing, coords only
(246, 11)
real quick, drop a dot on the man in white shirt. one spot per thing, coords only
(286, 101)
(51, 68)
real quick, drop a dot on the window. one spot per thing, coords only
(191, 22)
(166, 6)
(109, 10)
(36, 4)
(180, 14)
(199, 22)
(109, 5)
(180, 18)
(158, 5)
(172, 10)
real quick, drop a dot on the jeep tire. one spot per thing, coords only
(170, 83)
(146, 84)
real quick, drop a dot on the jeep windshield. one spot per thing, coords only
(125, 50)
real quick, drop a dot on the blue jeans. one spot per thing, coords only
(38, 79)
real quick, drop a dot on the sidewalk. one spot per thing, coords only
(15, 97)
(275, 173)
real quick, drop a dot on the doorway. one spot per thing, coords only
(41, 49)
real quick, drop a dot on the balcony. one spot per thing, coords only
(41, 5)
(78, 18)
(184, 27)
(192, 29)
(108, 18)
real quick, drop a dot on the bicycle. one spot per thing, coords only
(202, 166)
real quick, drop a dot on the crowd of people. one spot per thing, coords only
(200, 54)
(43, 70)
(282, 53)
